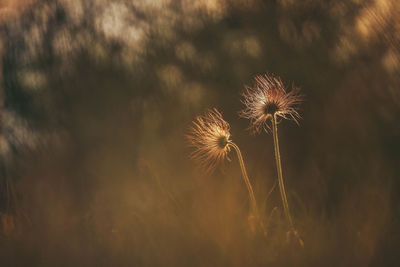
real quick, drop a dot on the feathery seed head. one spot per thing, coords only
(268, 98)
(210, 137)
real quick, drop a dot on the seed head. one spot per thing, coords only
(209, 135)
(268, 98)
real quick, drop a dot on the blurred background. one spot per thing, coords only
(95, 99)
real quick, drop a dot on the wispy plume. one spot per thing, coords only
(268, 97)
(210, 137)
(268, 100)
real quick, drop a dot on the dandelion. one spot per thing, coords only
(210, 137)
(268, 100)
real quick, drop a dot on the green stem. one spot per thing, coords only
(279, 170)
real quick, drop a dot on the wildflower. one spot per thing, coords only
(266, 99)
(210, 137)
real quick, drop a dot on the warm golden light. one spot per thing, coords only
(210, 137)
(268, 98)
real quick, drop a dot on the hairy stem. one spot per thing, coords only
(279, 170)
(253, 202)
(246, 178)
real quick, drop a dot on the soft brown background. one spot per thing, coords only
(97, 95)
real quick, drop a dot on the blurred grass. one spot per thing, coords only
(96, 97)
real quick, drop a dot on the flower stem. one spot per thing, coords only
(279, 170)
(253, 202)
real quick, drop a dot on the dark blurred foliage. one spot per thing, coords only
(97, 95)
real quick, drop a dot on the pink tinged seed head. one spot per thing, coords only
(268, 98)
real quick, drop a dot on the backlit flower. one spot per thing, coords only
(210, 136)
(268, 98)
